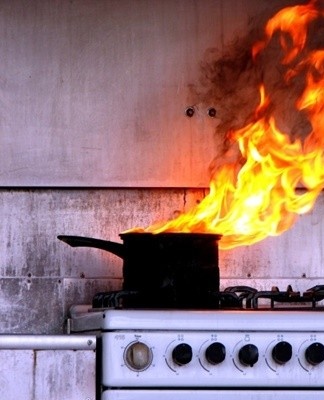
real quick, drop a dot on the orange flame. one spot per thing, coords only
(292, 21)
(247, 203)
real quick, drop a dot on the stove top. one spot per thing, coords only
(241, 299)
(233, 297)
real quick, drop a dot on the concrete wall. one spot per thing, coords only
(55, 375)
(41, 277)
(90, 88)
(94, 141)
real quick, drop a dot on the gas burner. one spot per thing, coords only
(232, 297)
(275, 295)
(288, 298)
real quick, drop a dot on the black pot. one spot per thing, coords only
(171, 269)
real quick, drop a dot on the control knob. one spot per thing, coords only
(282, 352)
(182, 354)
(315, 353)
(215, 353)
(248, 355)
(138, 356)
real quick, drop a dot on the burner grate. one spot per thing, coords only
(233, 297)
(289, 297)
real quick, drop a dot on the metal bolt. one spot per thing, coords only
(189, 111)
(211, 112)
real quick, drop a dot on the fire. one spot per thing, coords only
(294, 22)
(279, 178)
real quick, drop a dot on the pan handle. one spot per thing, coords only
(81, 241)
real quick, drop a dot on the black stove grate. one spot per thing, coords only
(233, 297)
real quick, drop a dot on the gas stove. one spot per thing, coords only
(255, 344)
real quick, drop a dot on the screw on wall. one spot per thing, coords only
(211, 112)
(190, 111)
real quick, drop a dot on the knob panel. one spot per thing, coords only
(174, 358)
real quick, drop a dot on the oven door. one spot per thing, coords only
(200, 394)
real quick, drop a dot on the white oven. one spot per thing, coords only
(183, 355)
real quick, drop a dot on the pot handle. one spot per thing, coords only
(81, 241)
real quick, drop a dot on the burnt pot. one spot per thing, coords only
(170, 269)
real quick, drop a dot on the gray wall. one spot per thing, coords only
(41, 277)
(93, 92)
(94, 141)
(43, 374)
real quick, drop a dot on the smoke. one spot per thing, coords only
(231, 78)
